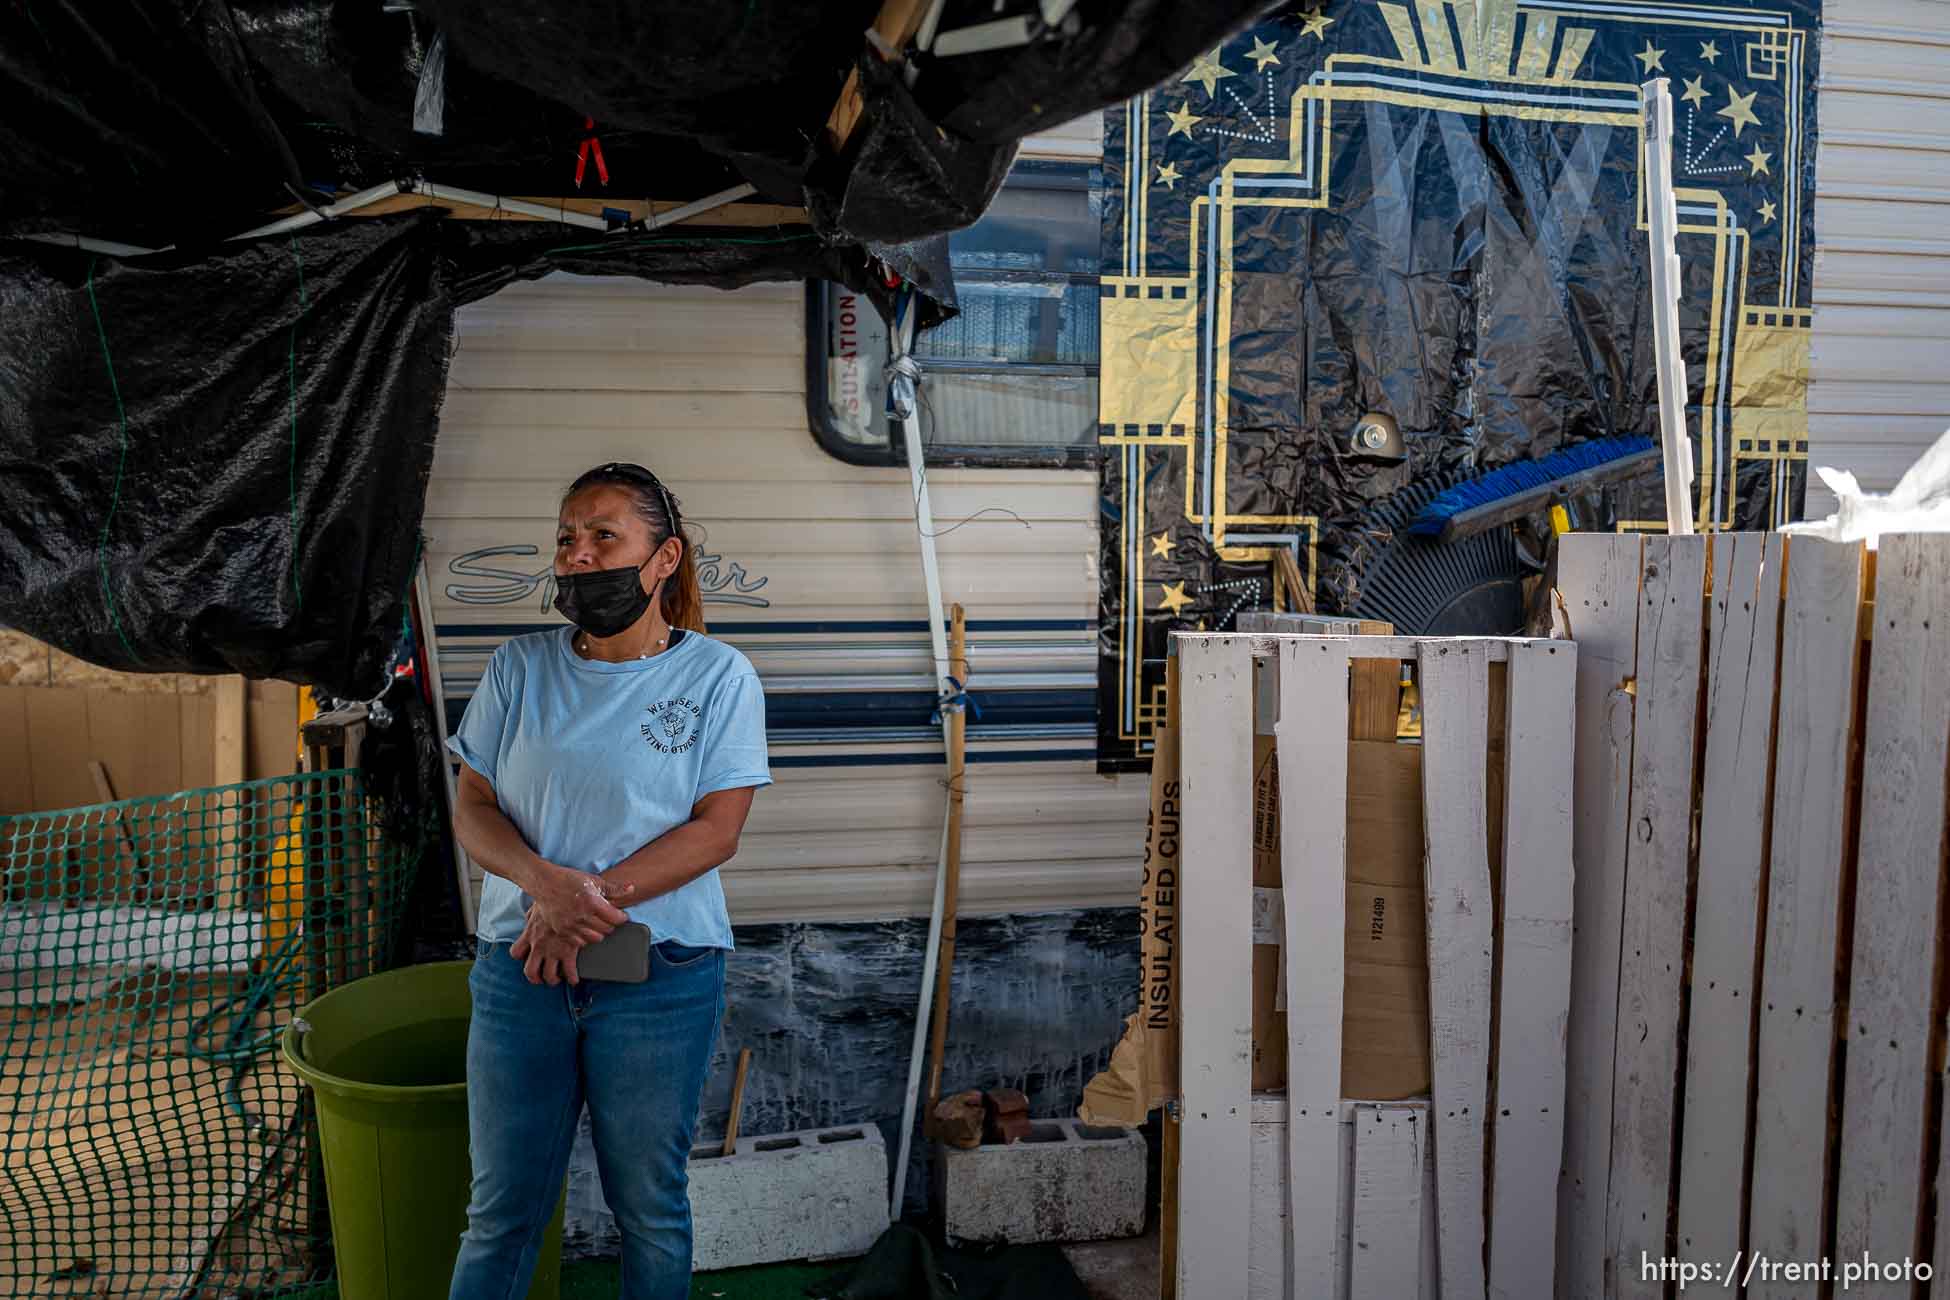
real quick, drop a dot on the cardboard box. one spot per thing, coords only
(1143, 1068)
(1385, 1016)
(1269, 1020)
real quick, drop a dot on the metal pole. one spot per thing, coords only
(909, 405)
(1655, 100)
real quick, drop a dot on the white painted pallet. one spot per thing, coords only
(1535, 980)
(1455, 687)
(1215, 968)
(1598, 579)
(1652, 940)
(1744, 641)
(1898, 928)
(1312, 740)
(1374, 1200)
(1820, 651)
(1374, 1216)
(1774, 902)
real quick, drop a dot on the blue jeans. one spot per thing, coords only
(638, 1055)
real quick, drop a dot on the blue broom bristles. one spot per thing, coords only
(1524, 476)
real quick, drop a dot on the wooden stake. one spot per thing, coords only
(1168, 1151)
(957, 753)
(1287, 572)
(737, 1100)
(230, 751)
(899, 20)
(105, 791)
(1375, 695)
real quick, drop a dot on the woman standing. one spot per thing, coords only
(607, 771)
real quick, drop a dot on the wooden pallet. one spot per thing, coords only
(1758, 975)
(1354, 1173)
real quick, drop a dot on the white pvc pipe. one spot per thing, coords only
(1655, 100)
(705, 204)
(448, 193)
(312, 216)
(88, 245)
(938, 635)
(930, 24)
(1002, 34)
(521, 207)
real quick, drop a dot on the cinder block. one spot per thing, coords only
(817, 1194)
(1066, 1181)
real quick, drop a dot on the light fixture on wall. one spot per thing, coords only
(1377, 435)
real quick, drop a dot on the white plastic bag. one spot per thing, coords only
(1919, 503)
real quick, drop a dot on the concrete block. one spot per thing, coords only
(1066, 1181)
(816, 1194)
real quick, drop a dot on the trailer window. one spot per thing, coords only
(1012, 380)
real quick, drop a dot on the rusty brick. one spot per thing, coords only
(1007, 1116)
(958, 1120)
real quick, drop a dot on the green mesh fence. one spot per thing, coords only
(150, 950)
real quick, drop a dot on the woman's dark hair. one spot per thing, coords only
(683, 602)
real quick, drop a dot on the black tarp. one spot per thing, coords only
(151, 122)
(1333, 214)
(217, 462)
(253, 503)
(488, 256)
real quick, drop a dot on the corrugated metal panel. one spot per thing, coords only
(1880, 386)
(813, 569)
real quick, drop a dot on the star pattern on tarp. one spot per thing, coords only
(1208, 72)
(1249, 125)
(1740, 110)
(1182, 121)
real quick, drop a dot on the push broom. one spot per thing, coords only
(1514, 491)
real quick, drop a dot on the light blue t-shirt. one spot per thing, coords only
(592, 760)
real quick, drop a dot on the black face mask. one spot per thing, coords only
(602, 603)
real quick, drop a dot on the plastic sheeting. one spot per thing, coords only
(149, 122)
(218, 463)
(488, 256)
(1433, 215)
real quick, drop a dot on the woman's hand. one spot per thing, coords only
(570, 905)
(545, 957)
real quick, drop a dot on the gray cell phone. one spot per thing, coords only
(622, 956)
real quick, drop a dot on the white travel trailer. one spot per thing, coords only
(762, 409)
(810, 561)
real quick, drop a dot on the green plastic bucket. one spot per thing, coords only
(386, 1058)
